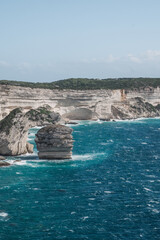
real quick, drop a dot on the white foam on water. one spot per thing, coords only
(91, 199)
(110, 140)
(151, 176)
(29, 139)
(5, 187)
(38, 127)
(3, 214)
(85, 157)
(108, 192)
(73, 213)
(84, 218)
(29, 154)
(151, 181)
(25, 163)
(155, 210)
(140, 120)
(148, 190)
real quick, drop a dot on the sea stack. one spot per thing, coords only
(54, 142)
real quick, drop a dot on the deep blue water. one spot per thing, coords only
(110, 190)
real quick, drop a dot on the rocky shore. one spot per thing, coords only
(53, 141)
(14, 129)
(22, 108)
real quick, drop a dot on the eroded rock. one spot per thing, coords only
(14, 133)
(4, 164)
(54, 142)
(29, 147)
(135, 108)
(42, 116)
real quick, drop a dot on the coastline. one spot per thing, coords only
(112, 120)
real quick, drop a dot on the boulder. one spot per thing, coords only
(2, 158)
(29, 147)
(4, 164)
(54, 142)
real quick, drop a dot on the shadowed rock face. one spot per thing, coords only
(54, 142)
(79, 114)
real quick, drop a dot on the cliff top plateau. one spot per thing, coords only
(90, 84)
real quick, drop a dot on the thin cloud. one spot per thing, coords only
(111, 58)
(134, 59)
(152, 54)
(149, 55)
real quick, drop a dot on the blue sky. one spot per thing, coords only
(48, 40)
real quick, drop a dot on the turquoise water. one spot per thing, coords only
(110, 190)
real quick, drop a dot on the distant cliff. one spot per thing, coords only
(140, 100)
(90, 84)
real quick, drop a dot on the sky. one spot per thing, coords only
(48, 40)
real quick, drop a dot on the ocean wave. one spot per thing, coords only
(85, 157)
(24, 163)
(37, 127)
(35, 162)
(3, 214)
(147, 189)
(29, 139)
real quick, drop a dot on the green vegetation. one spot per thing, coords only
(90, 84)
(39, 114)
(7, 122)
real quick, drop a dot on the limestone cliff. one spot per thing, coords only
(78, 104)
(14, 133)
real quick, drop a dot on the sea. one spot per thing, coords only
(110, 190)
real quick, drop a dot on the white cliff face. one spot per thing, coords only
(72, 104)
(13, 134)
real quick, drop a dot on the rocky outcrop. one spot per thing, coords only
(54, 142)
(14, 129)
(136, 107)
(42, 116)
(14, 133)
(4, 163)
